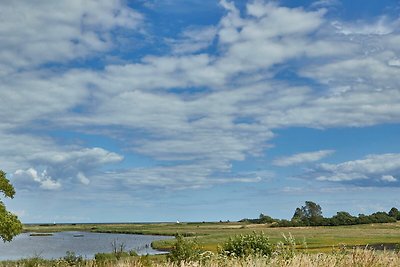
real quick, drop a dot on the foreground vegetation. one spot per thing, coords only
(283, 255)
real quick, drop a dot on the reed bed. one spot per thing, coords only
(354, 258)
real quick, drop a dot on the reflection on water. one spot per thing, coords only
(82, 243)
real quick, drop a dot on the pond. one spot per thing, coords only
(85, 244)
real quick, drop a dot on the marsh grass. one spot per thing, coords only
(210, 235)
(339, 257)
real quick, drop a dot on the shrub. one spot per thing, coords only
(72, 259)
(184, 250)
(245, 245)
(33, 262)
(133, 253)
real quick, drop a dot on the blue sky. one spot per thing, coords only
(131, 111)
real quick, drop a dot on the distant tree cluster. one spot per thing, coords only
(311, 215)
(261, 219)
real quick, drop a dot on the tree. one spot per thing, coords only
(343, 218)
(310, 214)
(265, 219)
(381, 217)
(298, 217)
(10, 225)
(395, 213)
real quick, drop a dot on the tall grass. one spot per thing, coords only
(355, 258)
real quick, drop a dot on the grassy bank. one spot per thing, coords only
(209, 235)
(353, 258)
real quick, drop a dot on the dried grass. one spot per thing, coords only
(355, 258)
(343, 258)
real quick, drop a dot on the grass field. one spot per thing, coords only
(209, 235)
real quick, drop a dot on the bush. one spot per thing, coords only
(72, 259)
(113, 256)
(33, 262)
(245, 245)
(184, 250)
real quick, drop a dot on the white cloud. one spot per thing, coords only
(178, 177)
(83, 179)
(395, 62)
(24, 155)
(233, 115)
(388, 178)
(302, 158)
(70, 165)
(86, 157)
(382, 26)
(205, 126)
(325, 3)
(38, 32)
(29, 177)
(382, 167)
(268, 35)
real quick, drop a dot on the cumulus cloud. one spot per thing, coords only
(41, 163)
(30, 177)
(388, 178)
(379, 167)
(82, 178)
(302, 158)
(71, 165)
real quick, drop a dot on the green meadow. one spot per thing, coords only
(210, 235)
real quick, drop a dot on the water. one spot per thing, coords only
(82, 243)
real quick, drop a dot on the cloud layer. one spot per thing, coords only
(213, 98)
(302, 158)
(383, 168)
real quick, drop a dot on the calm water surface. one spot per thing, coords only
(82, 243)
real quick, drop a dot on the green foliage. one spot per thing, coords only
(381, 217)
(298, 217)
(343, 218)
(265, 219)
(72, 259)
(395, 213)
(5, 186)
(118, 252)
(312, 213)
(111, 256)
(255, 244)
(184, 250)
(10, 225)
(34, 262)
(145, 261)
(309, 214)
(261, 219)
(286, 249)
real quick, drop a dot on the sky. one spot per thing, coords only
(198, 110)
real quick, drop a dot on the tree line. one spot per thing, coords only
(311, 215)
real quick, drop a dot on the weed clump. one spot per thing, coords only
(185, 250)
(240, 246)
